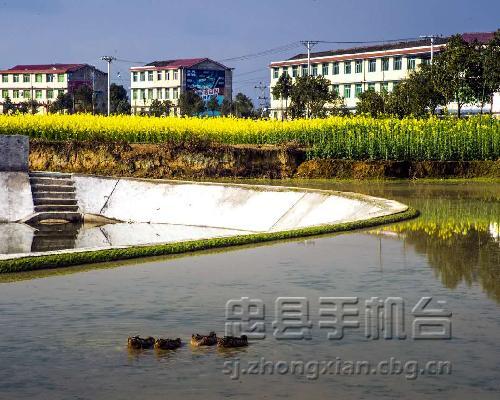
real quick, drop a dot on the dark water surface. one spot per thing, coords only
(63, 335)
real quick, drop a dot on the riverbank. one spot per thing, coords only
(197, 160)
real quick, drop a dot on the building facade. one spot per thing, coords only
(355, 70)
(44, 82)
(167, 80)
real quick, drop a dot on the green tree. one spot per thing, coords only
(213, 105)
(226, 107)
(156, 108)
(454, 72)
(371, 102)
(64, 101)
(191, 104)
(117, 95)
(123, 107)
(83, 99)
(32, 105)
(283, 90)
(310, 97)
(23, 107)
(243, 106)
(7, 105)
(489, 81)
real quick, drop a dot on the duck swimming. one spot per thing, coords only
(204, 340)
(136, 342)
(168, 344)
(232, 341)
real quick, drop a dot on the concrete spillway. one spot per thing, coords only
(139, 212)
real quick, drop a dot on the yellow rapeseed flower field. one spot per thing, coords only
(357, 137)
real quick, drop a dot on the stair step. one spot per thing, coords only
(56, 207)
(54, 195)
(42, 174)
(56, 215)
(51, 188)
(50, 181)
(40, 201)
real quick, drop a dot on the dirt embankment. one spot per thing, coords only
(215, 161)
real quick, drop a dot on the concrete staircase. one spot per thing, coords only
(54, 198)
(50, 237)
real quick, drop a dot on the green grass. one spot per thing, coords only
(78, 258)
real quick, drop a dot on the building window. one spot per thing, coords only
(285, 70)
(26, 78)
(159, 75)
(335, 67)
(372, 65)
(38, 78)
(167, 75)
(396, 64)
(60, 78)
(38, 94)
(358, 89)
(26, 94)
(142, 76)
(167, 93)
(295, 71)
(359, 66)
(5, 78)
(134, 94)
(411, 63)
(371, 86)
(15, 78)
(385, 64)
(394, 85)
(426, 61)
(335, 89)
(49, 78)
(5, 93)
(314, 69)
(15, 94)
(385, 87)
(176, 75)
(176, 93)
(134, 76)
(347, 67)
(150, 94)
(305, 70)
(347, 91)
(49, 94)
(324, 70)
(143, 94)
(276, 73)
(158, 93)
(150, 76)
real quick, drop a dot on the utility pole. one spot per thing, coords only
(309, 45)
(262, 98)
(109, 60)
(431, 37)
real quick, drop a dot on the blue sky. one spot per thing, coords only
(46, 31)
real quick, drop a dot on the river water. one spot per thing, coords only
(63, 333)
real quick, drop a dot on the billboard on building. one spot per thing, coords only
(206, 83)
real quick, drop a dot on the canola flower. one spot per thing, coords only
(356, 138)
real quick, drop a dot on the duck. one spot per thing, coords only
(232, 341)
(167, 344)
(136, 342)
(204, 340)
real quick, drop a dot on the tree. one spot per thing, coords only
(32, 106)
(117, 96)
(83, 99)
(226, 107)
(191, 104)
(7, 105)
(63, 102)
(213, 105)
(243, 106)
(283, 90)
(23, 107)
(156, 108)
(454, 72)
(489, 59)
(310, 96)
(371, 102)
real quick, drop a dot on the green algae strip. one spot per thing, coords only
(32, 263)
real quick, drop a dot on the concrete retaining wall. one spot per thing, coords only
(16, 201)
(14, 153)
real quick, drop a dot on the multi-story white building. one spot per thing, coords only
(352, 71)
(44, 82)
(166, 80)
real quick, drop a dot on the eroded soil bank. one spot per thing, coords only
(201, 160)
